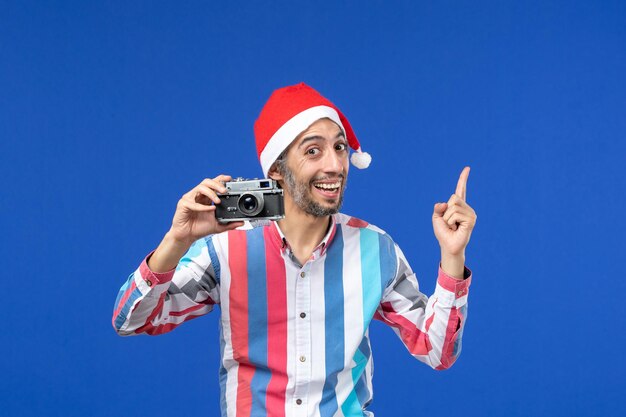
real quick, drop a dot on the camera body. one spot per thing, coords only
(250, 200)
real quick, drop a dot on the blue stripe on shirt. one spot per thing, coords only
(362, 391)
(123, 289)
(352, 405)
(334, 338)
(388, 260)
(215, 260)
(257, 320)
(370, 274)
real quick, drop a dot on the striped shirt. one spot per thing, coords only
(294, 338)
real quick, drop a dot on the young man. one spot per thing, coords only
(297, 296)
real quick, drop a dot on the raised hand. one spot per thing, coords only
(454, 221)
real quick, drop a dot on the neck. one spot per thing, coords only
(303, 231)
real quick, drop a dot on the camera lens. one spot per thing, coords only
(250, 204)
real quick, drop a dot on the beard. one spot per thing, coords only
(301, 194)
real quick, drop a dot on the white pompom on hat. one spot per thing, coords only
(291, 110)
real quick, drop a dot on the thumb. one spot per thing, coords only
(440, 209)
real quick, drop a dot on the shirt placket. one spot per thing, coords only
(303, 340)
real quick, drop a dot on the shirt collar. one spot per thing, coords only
(280, 240)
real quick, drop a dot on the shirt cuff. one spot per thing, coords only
(458, 286)
(152, 278)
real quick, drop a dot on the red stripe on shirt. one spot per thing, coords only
(354, 222)
(152, 330)
(238, 310)
(190, 309)
(415, 340)
(447, 358)
(429, 321)
(276, 327)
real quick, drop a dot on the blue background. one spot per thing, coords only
(110, 111)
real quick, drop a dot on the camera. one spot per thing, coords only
(247, 200)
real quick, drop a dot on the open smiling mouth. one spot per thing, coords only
(328, 189)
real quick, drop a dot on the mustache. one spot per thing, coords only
(328, 177)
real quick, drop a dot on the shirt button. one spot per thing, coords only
(298, 401)
(302, 358)
(302, 274)
(303, 315)
(460, 293)
(149, 283)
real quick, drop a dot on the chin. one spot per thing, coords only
(327, 207)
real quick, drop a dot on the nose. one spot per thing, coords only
(333, 162)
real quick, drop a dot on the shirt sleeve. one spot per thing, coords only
(430, 327)
(156, 303)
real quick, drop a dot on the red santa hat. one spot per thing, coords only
(291, 110)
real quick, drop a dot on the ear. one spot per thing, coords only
(274, 174)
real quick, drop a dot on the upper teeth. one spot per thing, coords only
(328, 186)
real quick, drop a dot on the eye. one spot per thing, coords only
(341, 147)
(312, 151)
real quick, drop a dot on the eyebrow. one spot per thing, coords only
(312, 138)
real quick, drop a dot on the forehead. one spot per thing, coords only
(321, 128)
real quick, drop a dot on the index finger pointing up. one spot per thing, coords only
(461, 186)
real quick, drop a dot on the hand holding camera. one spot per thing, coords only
(195, 212)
